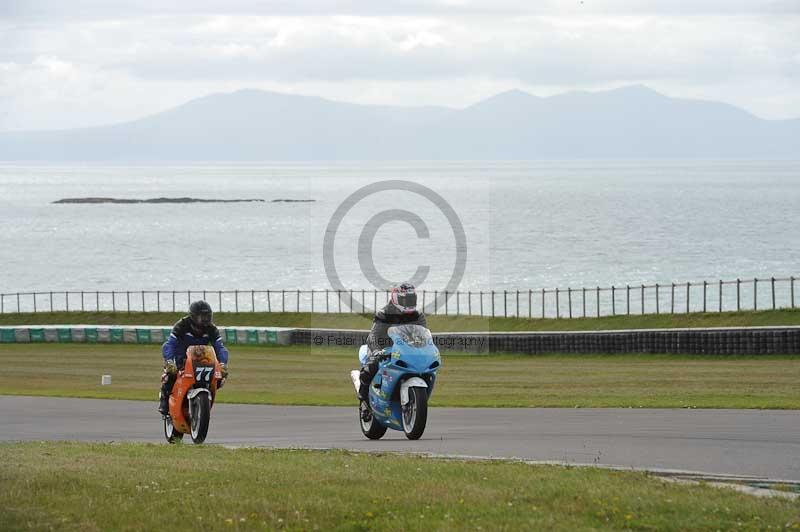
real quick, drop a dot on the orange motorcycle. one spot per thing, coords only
(193, 395)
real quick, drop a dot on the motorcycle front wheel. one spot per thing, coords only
(369, 425)
(201, 415)
(415, 413)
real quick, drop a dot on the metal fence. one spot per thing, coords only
(670, 298)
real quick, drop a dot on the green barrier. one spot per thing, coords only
(65, 335)
(230, 336)
(117, 336)
(37, 335)
(90, 335)
(252, 337)
(272, 337)
(8, 336)
(142, 336)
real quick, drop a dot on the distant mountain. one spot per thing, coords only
(629, 122)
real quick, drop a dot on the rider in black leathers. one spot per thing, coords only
(195, 329)
(400, 310)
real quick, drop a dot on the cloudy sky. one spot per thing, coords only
(112, 60)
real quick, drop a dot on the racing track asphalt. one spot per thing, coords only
(760, 443)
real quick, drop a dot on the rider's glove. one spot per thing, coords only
(224, 370)
(170, 367)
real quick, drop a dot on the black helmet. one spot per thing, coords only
(201, 314)
(404, 298)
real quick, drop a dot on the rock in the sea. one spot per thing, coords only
(156, 200)
(282, 200)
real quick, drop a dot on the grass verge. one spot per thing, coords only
(56, 486)
(436, 323)
(298, 375)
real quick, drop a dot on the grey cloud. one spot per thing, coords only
(94, 9)
(532, 51)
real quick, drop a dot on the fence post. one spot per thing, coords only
(97, 301)
(252, 301)
(445, 302)
(458, 303)
(672, 300)
(269, 301)
(613, 301)
(312, 301)
(283, 301)
(583, 300)
(755, 293)
(773, 293)
(82, 304)
(597, 301)
(113, 301)
(738, 285)
(143, 309)
(236, 296)
(128, 302)
(298, 301)
(18, 311)
(791, 289)
(517, 304)
(704, 296)
(51, 300)
(66, 299)
(688, 284)
(2, 303)
(720, 295)
(627, 299)
(642, 300)
(173, 302)
(481, 296)
(505, 303)
(657, 302)
(558, 307)
(569, 301)
(158, 300)
(327, 304)
(493, 303)
(469, 303)
(34, 303)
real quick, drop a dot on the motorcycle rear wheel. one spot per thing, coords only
(172, 434)
(415, 413)
(370, 428)
(201, 416)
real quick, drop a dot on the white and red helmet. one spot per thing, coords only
(404, 298)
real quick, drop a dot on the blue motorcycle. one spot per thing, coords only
(399, 392)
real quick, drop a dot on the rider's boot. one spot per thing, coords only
(163, 397)
(163, 403)
(365, 377)
(363, 392)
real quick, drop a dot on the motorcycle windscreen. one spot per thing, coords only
(415, 336)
